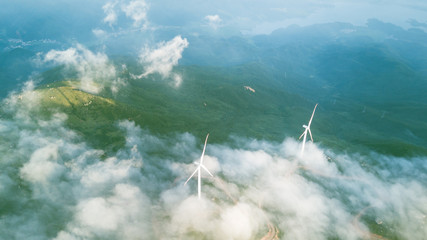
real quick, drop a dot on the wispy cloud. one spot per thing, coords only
(260, 187)
(137, 11)
(19, 43)
(94, 69)
(69, 177)
(213, 20)
(163, 58)
(99, 32)
(110, 12)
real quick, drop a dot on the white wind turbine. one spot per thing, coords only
(307, 129)
(200, 165)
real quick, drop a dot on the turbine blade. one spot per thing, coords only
(204, 149)
(198, 168)
(305, 132)
(302, 148)
(311, 119)
(311, 136)
(303, 142)
(203, 166)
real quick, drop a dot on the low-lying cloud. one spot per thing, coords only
(213, 20)
(110, 13)
(163, 58)
(54, 185)
(94, 70)
(135, 10)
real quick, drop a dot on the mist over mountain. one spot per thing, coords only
(106, 106)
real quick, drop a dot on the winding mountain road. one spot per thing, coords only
(366, 234)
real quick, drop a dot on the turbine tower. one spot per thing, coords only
(307, 129)
(200, 165)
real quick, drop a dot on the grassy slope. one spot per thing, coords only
(164, 110)
(371, 97)
(371, 94)
(209, 100)
(94, 117)
(214, 100)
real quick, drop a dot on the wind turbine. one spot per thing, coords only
(199, 172)
(307, 129)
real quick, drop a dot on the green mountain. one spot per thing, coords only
(370, 83)
(207, 101)
(215, 100)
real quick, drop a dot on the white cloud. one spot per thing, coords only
(137, 11)
(63, 177)
(163, 58)
(94, 69)
(68, 56)
(177, 80)
(42, 165)
(23, 103)
(99, 32)
(117, 84)
(111, 15)
(49, 172)
(213, 20)
(241, 221)
(122, 215)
